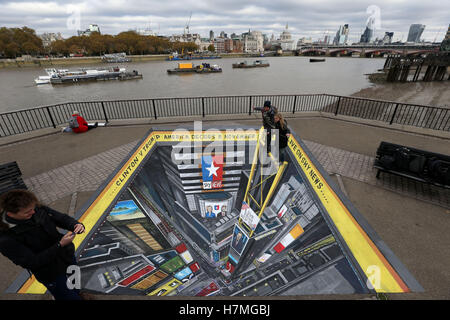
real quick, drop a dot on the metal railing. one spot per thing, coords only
(27, 120)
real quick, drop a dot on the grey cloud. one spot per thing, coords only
(305, 17)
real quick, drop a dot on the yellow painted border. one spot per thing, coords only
(363, 249)
(110, 192)
(371, 260)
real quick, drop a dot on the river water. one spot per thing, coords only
(286, 75)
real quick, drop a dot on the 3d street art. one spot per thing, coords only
(202, 213)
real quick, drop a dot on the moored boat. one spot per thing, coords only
(317, 60)
(190, 68)
(254, 64)
(55, 76)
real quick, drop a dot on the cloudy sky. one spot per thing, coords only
(305, 18)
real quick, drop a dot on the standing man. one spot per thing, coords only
(78, 124)
(29, 238)
(268, 114)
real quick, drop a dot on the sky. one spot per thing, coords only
(304, 18)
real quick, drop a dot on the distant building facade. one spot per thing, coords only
(187, 37)
(304, 42)
(253, 42)
(415, 32)
(284, 42)
(88, 32)
(49, 37)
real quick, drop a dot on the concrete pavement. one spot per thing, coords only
(412, 218)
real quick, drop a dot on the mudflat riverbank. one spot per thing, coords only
(435, 93)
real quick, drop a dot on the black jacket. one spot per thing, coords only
(282, 131)
(268, 119)
(34, 244)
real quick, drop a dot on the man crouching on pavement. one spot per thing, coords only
(29, 238)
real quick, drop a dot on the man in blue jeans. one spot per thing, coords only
(29, 238)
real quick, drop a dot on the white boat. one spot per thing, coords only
(57, 76)
(42, 80)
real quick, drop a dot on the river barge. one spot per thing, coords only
(190, 68)
(254, 64)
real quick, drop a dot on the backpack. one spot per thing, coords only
(417, 164)
(73, 122)
(439, 171)
(402, 158)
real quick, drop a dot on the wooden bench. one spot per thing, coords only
(412, 163)
(10, 177)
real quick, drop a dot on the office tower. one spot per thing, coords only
(415, 31)
(341, 35)
(367, 35)
(388, 37)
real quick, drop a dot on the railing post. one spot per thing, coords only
(295, 102)
(203, 107)
(250, 107)
(51, 118)
(393, 115)
(337, 107)
(154, 109)
(104, 112)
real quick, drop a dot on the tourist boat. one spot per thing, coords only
(190, 68)
(50, 73)
(61, 76)
(255, 64)
(42, 80)
(316, 60)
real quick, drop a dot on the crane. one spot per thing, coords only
(187, 24)
(437, 34)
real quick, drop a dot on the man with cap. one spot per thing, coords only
(268, 114)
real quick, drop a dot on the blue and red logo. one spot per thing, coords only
(212, 171)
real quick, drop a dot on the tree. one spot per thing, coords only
(59, 47)
(141, 46)
(12, 50)
(30, 48)
(211, 48)
(2, 48)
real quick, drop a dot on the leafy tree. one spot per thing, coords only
(12, 50)
(211, 48)
(59, 47)
(30, 48)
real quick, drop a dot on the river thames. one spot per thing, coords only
(286, 75)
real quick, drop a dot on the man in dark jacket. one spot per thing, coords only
(268, 112)
(29, 238)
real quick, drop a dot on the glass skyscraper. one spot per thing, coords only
(415, 31)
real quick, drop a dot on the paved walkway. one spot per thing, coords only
(88, 174)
